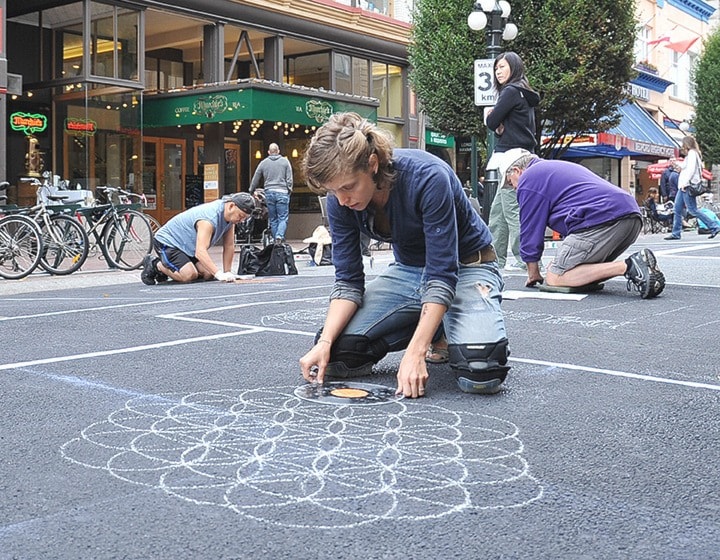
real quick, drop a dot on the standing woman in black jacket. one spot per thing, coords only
(513, 121)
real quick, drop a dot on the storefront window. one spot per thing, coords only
(171, 75)
(99, 138)
(351, 74)
(388, 88)
(151, 74)
(380, 86)
(395, 92)
(113, 42)
(343, 73)
(102, 41)
(163, 74)
(361, 76)
(72, 48)
(127, 37)
(311, 70)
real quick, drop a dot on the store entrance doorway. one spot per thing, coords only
(163, 176)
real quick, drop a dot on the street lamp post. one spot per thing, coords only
(492, 16)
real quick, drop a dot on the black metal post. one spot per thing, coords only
(493, 36)
(473, 166)
(3, 94)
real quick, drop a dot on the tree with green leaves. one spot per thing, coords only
(706, 76)
(578, 55)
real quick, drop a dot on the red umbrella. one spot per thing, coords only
(655, 170)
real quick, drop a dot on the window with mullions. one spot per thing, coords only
(351, 74)
(71, 44)
(114, 41)
(683, 87)
(342, 65)
(387, 86)
(310, 70)
(642, 51)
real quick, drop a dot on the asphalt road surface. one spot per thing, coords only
(163, 422)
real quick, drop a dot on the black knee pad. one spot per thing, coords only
(480, 368)
(355, 350)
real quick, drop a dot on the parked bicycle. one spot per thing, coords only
(154, 222)
(21, 243)
(65, 243)
(120, 231)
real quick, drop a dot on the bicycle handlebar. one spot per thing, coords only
(123, 192)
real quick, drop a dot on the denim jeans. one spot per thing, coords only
(392, 304)
(682, 199)
(504, 224)
(278, 205)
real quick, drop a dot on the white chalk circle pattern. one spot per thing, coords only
(270, 456)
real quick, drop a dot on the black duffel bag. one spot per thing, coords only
(273, 260)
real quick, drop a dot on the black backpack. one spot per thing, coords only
(273, 260)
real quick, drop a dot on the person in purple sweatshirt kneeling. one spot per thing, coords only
(597, 221)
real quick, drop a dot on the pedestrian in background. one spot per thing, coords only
(512, 121)
(275, 176)
(445, 269)
(690, 171)
(669, 184)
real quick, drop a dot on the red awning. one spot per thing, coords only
(655, 170)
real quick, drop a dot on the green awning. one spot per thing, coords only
(247, 103)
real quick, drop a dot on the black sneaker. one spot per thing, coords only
(160, 276)
(149, 272)
(644, 275)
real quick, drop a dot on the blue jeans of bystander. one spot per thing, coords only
(278, 205)
(682, 200)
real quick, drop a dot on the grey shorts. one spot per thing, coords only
(603, 243)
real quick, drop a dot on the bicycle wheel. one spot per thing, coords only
(65, 245)
(127, 240)
(154, 223)
(20, 247)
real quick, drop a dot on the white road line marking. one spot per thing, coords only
(89, 309)
(180, 314)
(617, 373)
(126, 350)
(685, 249)
(520, 294)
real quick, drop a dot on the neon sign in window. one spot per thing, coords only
(29, 123)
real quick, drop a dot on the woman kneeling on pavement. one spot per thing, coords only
(445, 274)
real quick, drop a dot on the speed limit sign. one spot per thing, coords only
(484, 91)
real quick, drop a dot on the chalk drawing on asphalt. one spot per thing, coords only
(300, 317)
(267, 455)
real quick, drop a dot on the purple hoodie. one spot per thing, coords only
(567, 198)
